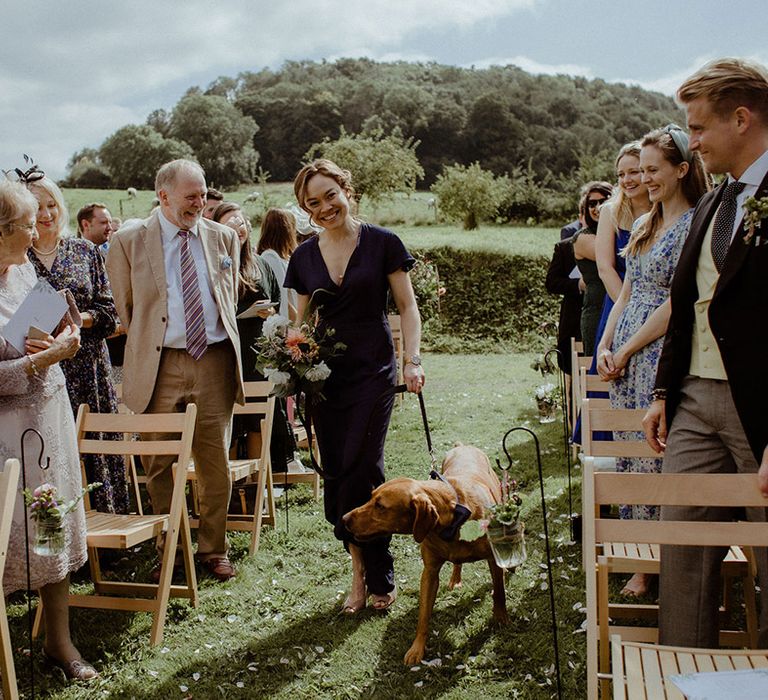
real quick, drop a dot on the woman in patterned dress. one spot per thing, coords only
(629, 350)
(75, 264)
(33, 395)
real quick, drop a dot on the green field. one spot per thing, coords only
(275, 631)
(410, 216)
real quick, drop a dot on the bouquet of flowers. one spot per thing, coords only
(507, 512)
(547, 396)
(293, 357)
(48, 513)
(502, 524)
(755, 210)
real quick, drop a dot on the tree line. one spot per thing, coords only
(553, 129)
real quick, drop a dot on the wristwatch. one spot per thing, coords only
(412, 360)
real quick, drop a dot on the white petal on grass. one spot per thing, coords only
(154, 674)
(183, 688)
(232, 618)
(195, 676)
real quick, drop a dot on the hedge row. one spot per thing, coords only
(490, 298)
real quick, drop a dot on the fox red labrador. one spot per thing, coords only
(424, 509)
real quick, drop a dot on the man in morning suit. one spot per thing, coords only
(174, 279)
(709, 408)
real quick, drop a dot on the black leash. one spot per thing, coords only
(460, 512)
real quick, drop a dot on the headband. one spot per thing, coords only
(680, 139)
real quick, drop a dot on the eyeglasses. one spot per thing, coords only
(29, 228)
(592, 203)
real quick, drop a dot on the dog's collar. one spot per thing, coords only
(460, 512)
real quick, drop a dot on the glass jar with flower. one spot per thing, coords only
(504, 529)
(546, 400)
(48, 511)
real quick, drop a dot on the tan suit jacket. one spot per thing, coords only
(136, 270)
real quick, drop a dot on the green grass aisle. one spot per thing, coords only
(275, 631)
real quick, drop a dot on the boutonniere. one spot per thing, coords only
(226, 262)
(755, 210)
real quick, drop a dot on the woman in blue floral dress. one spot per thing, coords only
(629, 350)
(76, 264)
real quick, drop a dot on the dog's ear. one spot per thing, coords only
(426, 517)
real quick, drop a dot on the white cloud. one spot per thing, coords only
(532, 66)
(71, 73)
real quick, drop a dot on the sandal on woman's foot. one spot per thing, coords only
(75, 669)
(352, 607)
(384, 601)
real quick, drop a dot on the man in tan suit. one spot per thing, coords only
(174, 279)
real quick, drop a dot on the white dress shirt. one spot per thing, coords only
(176, 330)
(751, 177)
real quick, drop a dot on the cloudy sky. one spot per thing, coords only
(72, 72)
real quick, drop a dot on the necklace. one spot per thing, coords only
(47, 252)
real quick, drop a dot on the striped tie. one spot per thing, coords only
(197, 342)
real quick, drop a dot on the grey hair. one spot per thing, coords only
(16, 201)
(169, 172)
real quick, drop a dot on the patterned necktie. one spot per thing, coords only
(723, 228)
(197, 342)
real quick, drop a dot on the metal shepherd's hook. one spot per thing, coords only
(42, 466)
(566, 431)
(546, 543)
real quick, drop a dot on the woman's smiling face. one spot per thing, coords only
(47, 212)
(629, 176)
(326, 201)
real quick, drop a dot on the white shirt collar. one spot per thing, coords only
(168, 229)
(755, 173)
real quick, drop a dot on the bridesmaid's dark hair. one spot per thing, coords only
(249, 274)
(323, 166)
(278, 233)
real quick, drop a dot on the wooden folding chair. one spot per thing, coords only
(632, 557)
(640, 670)
(256, 470)
(9, 480)
(724, 490)
(307, 477)
(110, 531)
(134, 479)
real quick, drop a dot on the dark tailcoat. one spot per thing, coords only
(738, 316)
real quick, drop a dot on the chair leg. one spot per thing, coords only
(750, 598)
(37, 625)
(604, 660)
(10, 691)
(188, 559)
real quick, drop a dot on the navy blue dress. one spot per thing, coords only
(351, 423)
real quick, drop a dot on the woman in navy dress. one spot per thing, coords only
(346, 273)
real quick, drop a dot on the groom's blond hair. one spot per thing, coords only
(728, 83)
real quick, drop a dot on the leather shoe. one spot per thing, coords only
(220, 568)
(178, 570)
(75, 669)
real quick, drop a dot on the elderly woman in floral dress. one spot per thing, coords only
(33, 395)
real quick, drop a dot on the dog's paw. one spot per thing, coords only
(414, 655)
(454, 584)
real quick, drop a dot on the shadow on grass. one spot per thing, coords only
(264, 667)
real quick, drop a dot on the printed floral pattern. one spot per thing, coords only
(651, 276)
(79, 267)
